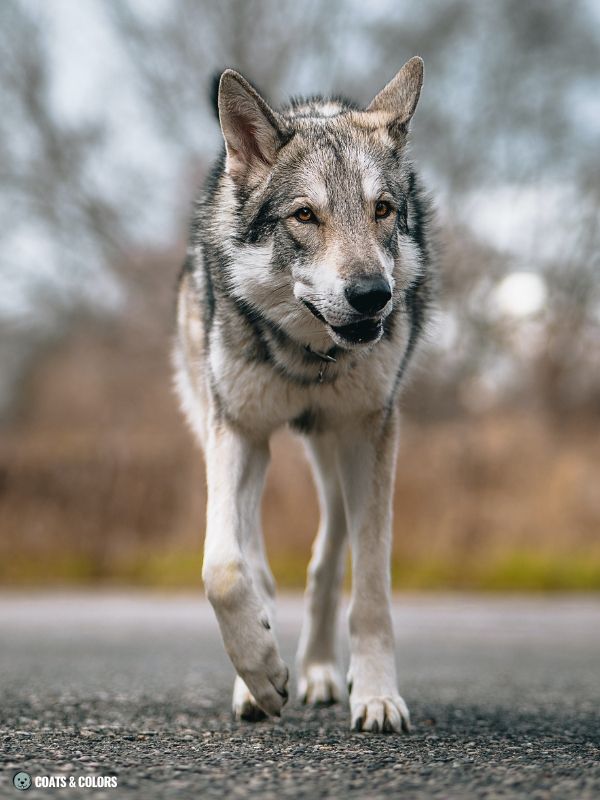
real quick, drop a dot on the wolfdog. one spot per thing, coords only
(307, 287)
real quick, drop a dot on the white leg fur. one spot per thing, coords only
(319, 679)
(244, 706)
(366, 468)
(235, 474)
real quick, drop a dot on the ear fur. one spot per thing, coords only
(251, 129)
(397, 101)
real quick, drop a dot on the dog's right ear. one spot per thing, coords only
(250, 128)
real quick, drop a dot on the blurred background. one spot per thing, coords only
(106, 132)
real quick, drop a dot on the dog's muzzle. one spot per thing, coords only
(363, 331)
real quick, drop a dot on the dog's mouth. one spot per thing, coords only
(368, 330)
(364, 331)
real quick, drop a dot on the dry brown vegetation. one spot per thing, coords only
(471, 499)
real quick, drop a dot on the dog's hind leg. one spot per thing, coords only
(367, 456)
(319, 679)
(235, 468)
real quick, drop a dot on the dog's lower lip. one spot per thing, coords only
(360, 332)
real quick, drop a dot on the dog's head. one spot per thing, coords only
(321, 193)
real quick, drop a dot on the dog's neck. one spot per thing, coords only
(325, 358)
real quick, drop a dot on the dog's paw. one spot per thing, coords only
(267, 683)
(244, 706)
(387, 714)
(320, 684)
(252, 648)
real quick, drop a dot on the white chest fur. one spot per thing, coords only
(260, 399)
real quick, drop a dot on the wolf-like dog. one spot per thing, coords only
(307, 288)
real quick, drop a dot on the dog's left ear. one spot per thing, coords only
(251, 130)
(396, 103)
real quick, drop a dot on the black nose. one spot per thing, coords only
(368, 293)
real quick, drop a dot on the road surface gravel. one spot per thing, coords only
(504, 695)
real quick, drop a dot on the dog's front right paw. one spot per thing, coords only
(267, 683)
(244, 706)
(269, 689)
(247, 635)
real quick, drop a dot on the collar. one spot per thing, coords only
(325, 358)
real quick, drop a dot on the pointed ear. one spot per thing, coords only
(396, 102)
(250, 128)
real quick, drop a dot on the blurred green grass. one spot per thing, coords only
(512, 572)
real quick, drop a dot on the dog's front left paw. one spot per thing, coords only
(320, 684)
(387, 714)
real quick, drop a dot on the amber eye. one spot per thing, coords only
(305, 214)
(382, 209)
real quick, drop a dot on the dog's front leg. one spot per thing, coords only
(235, 474)
(367, 458)
(319, 679)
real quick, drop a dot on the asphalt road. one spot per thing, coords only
(504, 695)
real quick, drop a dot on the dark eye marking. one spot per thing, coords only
(306, 216)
